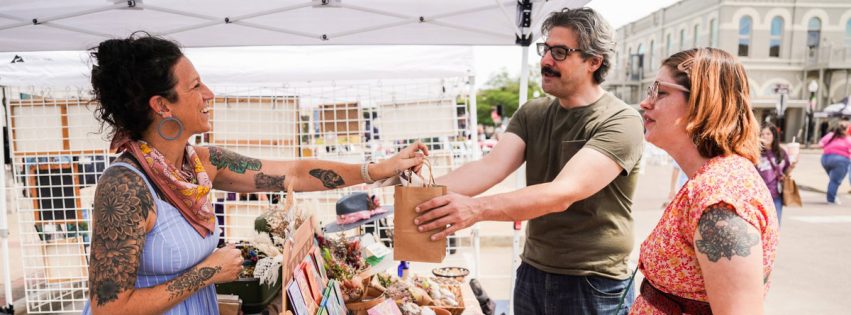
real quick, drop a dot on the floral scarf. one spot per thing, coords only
(188, 197)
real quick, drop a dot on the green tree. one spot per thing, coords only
(503, 89)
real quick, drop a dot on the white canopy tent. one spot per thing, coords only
(44, 25)
(29, 28)
(258, 66)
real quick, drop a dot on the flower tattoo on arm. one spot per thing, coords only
(191, 281)
(121, 206)
(724, 234)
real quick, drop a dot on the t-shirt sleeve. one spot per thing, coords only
(517, 124)
(740, 194)
(753, 214)
(621, 138)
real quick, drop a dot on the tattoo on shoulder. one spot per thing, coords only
(191, 281)
(222, 158)
(263, 181)
(121, 206)
(329, 178)
(724, 234)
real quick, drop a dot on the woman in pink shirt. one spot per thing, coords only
(835, 159)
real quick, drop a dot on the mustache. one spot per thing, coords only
(549, 71)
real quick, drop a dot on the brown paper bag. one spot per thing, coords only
(408, 243)
(791, 195)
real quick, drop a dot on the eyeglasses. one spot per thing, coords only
(653, 90)
(559, 53)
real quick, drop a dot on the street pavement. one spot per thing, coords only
(811, 273)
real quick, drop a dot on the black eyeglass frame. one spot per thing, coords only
(559, 52)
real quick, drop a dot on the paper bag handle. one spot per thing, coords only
(430, 174)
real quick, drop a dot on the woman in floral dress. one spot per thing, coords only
(713, 250)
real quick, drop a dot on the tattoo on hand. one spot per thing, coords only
(329, 178)
(222, 158)
(121, 206)
(263, 181)
(724, 234)
(191, 281)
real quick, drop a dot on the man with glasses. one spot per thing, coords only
(582, 149)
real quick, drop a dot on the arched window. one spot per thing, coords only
(776, 40)
(713, 33)
(745, 29)
(696, 39)
(650, 60)
(682, 39)
(668, 43)
(848, 33)
(813, 32)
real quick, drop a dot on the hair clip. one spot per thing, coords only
(686, 65)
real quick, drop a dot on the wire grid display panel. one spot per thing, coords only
(350, 122)
(59, 153)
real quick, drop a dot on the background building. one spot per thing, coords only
(785, 45)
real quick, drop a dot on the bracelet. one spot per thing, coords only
(364, 173)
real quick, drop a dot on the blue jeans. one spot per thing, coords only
(778, 204)
(836, 167)
(539, 292)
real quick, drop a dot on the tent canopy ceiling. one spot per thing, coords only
(259, 66)
(46, 25)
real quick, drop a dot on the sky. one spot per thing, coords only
(490, 60)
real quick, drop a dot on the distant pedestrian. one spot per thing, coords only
(835, 158)
(773, 165)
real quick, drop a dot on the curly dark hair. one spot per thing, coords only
(126, 73)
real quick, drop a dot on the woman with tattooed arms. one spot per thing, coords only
(713, 250)
(154, 231)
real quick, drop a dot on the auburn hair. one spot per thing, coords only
(720, 119)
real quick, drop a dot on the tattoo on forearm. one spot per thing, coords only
(263, 181)
(222, 158)
(121, 207)
(191, 281)
(724, 234)
(329, 178)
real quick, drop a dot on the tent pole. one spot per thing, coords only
(520, 179)
(473, 129)
(4, 223)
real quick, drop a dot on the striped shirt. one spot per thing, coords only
(173, 247)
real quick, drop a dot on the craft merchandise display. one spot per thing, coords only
(261, 279)
(335, 274)
(336, 277)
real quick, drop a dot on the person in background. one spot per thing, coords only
(582, 149)
(836, 150)
(774, 164)
(154, 236)
(713, 250)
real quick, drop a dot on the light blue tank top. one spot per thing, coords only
(171, 248)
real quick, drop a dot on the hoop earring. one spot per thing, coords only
(176, 121)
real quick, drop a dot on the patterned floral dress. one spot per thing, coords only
(667, 257)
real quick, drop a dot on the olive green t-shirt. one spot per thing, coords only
(593, 236)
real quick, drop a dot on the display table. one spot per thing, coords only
(471, 305)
